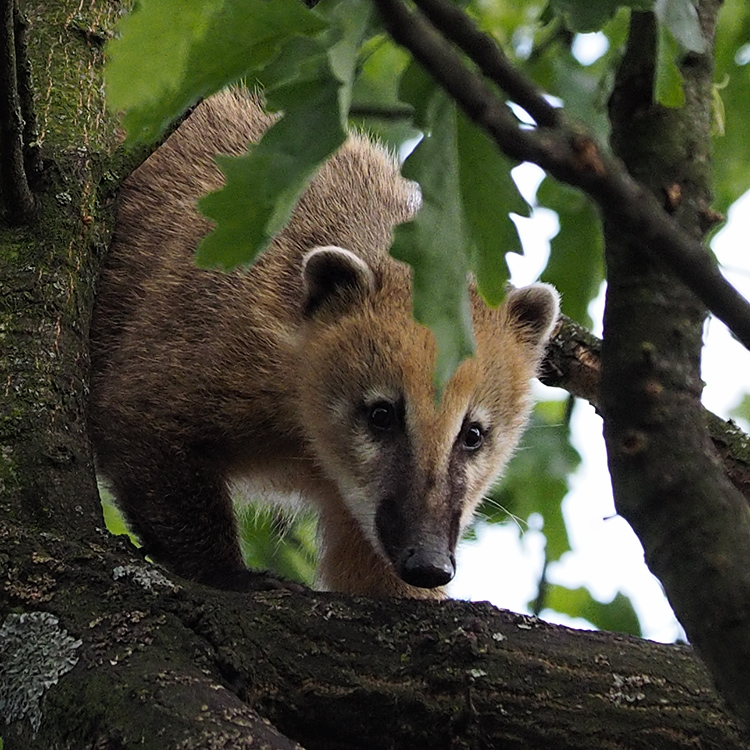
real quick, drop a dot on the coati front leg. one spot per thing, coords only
(181, 510)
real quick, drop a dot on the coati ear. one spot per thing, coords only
(533, 311)
(333, 279)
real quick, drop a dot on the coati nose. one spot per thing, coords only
(426, 568)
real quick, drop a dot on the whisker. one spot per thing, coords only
(521, 523)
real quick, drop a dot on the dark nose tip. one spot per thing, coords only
(427, 569)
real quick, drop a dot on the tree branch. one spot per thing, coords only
(566, 151)
(573, 362)
(667, 480)
(483, 50)
(382, 111)
(16, 194)
(161, 665)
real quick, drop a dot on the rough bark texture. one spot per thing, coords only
(47, 271)
(667, 479)
(155, 665)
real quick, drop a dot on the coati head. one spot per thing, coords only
(411, 469)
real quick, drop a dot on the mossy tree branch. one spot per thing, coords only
(162, 664)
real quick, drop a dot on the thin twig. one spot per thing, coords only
(32, 150)
(17, 197)
(573, 156)
(382, 111)
(483, 50)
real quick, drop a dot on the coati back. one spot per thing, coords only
(305, 374)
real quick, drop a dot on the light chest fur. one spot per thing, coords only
(305, 374)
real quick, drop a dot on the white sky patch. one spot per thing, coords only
(588, 48)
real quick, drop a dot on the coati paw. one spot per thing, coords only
(251, 580)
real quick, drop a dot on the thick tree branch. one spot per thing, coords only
(16, 194)
(668, 482)
(573, 362)
(161, 665)
(566, 151)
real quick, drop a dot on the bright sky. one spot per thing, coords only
(606, 556)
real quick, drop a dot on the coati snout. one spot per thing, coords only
(305, 374)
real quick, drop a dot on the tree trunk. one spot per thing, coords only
(47, 272)
(668, 480)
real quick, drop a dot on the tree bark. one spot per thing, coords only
(47, 272)
(155, 663)
(668, 481)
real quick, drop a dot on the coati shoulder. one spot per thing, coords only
(305, 373)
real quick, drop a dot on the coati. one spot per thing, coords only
(305, 373)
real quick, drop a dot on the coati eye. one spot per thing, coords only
(382, 416)
(473, 437)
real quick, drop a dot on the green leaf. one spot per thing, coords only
(113, 519)
(668, 89)
(309, 81)
(418, 89)
(464, 224)
(262, 188)
(376, 87)
(681, 18)
(434, 242)
(617, 616)
(731, 160)
(584, 15)
(170, 53)
(576, 262)
(148, 57)
(488, 193)
(742, 410)
(351, 18)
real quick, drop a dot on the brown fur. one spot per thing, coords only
(200, 377)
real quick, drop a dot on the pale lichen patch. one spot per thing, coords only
(34, 653)
(148, 578)
(631, 688)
